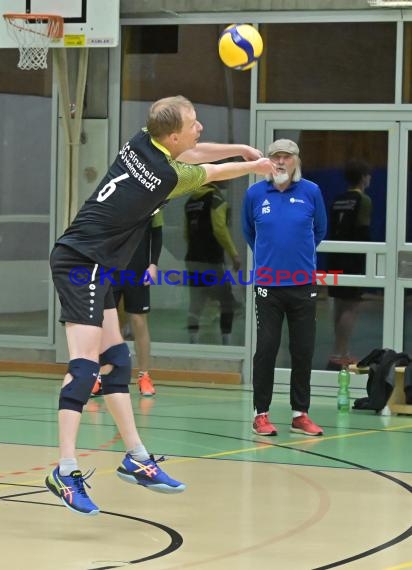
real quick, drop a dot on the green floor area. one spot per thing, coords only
(212, 422)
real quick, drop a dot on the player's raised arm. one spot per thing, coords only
(227, 170)
(212, 152)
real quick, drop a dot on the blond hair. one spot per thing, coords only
(165, 116)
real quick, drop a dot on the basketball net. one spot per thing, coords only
(33, 34)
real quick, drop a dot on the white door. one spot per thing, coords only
(327, 140)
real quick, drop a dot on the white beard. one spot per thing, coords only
(281, 178)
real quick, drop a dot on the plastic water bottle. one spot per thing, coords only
(343, 392)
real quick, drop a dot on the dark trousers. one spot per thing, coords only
(272, 304)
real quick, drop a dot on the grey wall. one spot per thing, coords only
(134, 8)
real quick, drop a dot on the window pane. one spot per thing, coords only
(25, 103)
(324, 155)
(328, 63)
(407, 63)
(408, 237)
(407, 322)
(155, 65)
(366, 333)
(348, 329)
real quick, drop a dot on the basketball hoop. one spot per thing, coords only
(34, 34)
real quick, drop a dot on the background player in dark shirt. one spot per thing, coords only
(349, 220)
(208, 238)
(162, 161)
(132, 298)
(136, 298)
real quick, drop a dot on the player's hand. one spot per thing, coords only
(236, 262)
(250, 153)
(152, 271)
(264, 166)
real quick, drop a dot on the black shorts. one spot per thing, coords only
(136, 298)
(83, 294)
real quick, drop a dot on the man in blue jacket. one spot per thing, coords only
(284, 220)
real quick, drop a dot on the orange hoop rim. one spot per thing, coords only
(53, 31)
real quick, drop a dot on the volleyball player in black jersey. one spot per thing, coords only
(162, 161)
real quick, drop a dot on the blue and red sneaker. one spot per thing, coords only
(148, 474)
(70, 489)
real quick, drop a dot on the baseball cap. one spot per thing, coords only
(283, 145)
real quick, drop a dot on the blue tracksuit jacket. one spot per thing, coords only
(283, 229)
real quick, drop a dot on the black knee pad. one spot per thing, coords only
(74, 395)
(118, 380)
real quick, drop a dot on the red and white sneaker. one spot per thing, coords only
(303, 424)
(262, 425)
(145, 384)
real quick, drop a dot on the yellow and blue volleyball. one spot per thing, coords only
(240, 46)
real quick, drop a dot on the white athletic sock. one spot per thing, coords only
(67, 466)
(296, 414)
(260, 413)
(139, 453)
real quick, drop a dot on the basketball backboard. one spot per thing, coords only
(87, 23)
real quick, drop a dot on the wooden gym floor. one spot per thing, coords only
(289, 503)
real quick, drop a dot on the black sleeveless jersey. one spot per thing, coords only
(143, 177)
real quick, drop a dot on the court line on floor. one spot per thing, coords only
(262, 445)
(290, 445)
(176, 539)
(270, 442)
